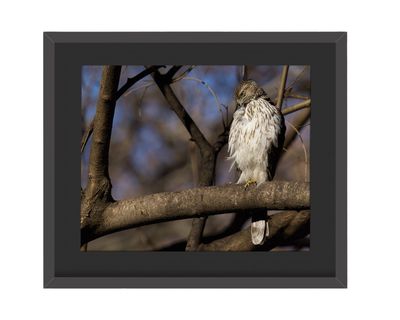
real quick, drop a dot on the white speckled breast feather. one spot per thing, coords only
(254, 131)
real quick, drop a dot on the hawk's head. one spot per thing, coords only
(246, 91)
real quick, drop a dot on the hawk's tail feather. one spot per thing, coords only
(259, 228)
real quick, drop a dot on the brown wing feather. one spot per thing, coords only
(275, 151)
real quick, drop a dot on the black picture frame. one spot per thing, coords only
(325, 265)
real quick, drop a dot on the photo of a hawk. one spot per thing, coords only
(256, 139)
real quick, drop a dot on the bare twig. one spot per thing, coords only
(245, 72)
(222, 139)
(129, 83)
(171, 72)
(297, 96)
(183, 74)
(140, 102)
(218, 103)
(282, 86)
(180, 111)
(87, 134)
(304, 150)
(296, 107)
(290, 86)
(145, 86)
(298, 123)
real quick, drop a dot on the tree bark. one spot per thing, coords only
(284, 227)
(98, 190)
(198, 202)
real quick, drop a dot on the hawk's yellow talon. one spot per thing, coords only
(249, 183)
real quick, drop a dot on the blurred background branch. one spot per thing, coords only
(129, 83)
(207, 153)
(284, 227)
(282, 86)
(297, 107)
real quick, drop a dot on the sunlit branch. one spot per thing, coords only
(197, 202)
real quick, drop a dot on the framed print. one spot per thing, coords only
(195, 160)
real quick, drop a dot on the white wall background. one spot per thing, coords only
(373, 158)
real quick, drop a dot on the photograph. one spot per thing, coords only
(195, 158)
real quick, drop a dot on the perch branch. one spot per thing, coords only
(197, 202)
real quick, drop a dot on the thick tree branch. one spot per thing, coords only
(281, 91)
(98, 159)
(198, 202)
(97, 195)
(98, 190)
(284, 227)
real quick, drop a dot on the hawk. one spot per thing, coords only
(255, 141)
